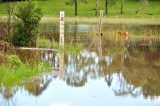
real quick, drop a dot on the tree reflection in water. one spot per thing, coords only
(37, 85)
(135, 76)
(80, 66)
(125, 88)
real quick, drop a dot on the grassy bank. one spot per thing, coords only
(95, 20)
(106, 20)
(52, 8)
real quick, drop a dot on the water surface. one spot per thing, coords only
(103, 73)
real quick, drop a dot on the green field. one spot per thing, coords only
(52, 8)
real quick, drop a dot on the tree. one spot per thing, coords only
(97, 2)
(109, 3)
(122, 6)
(26, 24)
(9, 8)
(144, 5)
(106, 6)
(75, 3)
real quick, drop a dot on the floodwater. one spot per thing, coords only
(103, 73)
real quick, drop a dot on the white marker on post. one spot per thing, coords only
(61, 32)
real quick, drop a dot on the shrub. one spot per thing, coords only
(26, 24)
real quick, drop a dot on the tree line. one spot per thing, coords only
(107, 3)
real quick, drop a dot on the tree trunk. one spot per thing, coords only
(122, 6)
(106, 7)
(97, 1)
(75, 7)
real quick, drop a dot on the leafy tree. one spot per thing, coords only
(26, 21)
(75, 3)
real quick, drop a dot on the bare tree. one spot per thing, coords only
(97, 2)
(122, 6)
(106, 6)
(75, 7)
(75, 4)
(109, 3)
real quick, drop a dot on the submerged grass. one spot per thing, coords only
(143, 33)
(15, 71)
(68, 47)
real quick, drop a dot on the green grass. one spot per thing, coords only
(15, 71)
(52, 8)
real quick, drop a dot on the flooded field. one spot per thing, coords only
(103, 73)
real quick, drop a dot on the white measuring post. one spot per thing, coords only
(61, 27)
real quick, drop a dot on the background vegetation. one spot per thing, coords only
(132, 8)
(26, 23)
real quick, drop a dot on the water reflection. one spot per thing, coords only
(115, 70)
(136, 69)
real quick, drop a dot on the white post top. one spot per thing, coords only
(61, 15)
